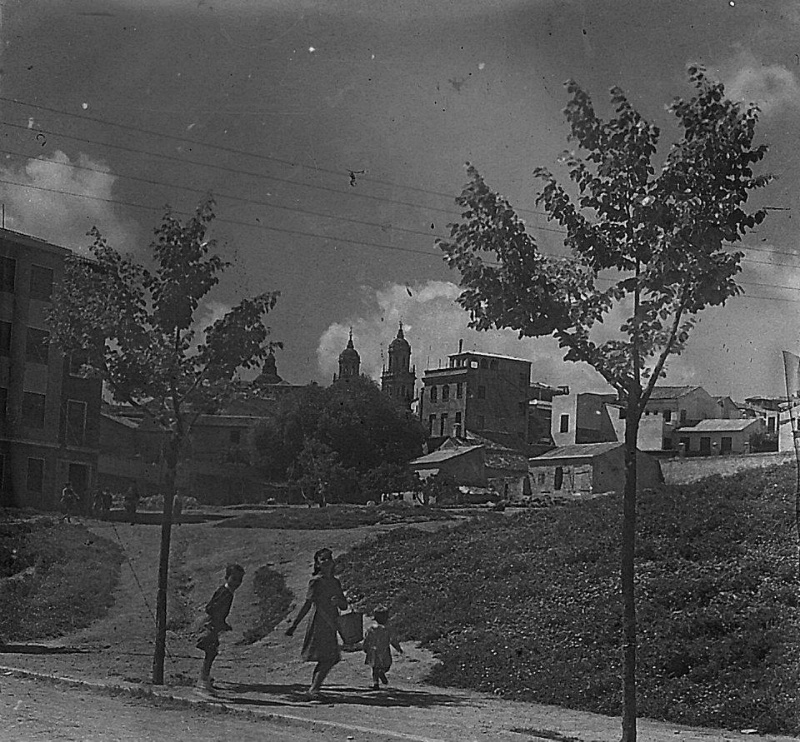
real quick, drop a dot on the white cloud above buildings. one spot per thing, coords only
(59, 200)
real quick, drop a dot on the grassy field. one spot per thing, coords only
(57, 578)
(334, 517)
(528, 607)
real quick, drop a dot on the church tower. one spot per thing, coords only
(399, 379)
(349, 362)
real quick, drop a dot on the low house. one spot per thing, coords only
(466, 465)
(712, 437)
(506, 462)
(589, 469)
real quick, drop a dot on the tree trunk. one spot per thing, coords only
(163, 564)
(628, 597)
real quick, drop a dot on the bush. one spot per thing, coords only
(530, 607)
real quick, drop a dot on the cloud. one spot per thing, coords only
(434, 324)
(734, 350)
(772, 87)
(39, 201)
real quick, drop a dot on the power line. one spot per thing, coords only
(295, 209)
(283, 230)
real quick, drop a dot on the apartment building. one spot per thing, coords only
(49, 412)
(479, 392)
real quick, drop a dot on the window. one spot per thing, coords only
(434, 393)
(473, 364)
(558, 478)
(35, 480)
(458, 418)
(5, 338)
(493, 364)
(33, 409)
(431, 423)
(563, 425)
(41, 282)
(76, 422)
(443, 425)
(459, 390)
(484, 363)
(667, 415)
(8, 267)
(621, 413)
(77, 361)
(37, 344)
(445, 392)
(481, 392)
(683, 416)
(236, 437)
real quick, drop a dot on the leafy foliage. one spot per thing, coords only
(526, 607)
(319, 432)
(663, 234)
(138, 325)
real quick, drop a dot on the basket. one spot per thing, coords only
(351, 627)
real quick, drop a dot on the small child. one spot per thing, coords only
(215, 623)
(377, 643)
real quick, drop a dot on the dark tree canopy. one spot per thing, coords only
(354, 420)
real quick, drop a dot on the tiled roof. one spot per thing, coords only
(578, 451)
(444, 454)
(719, 426)
(671, 392)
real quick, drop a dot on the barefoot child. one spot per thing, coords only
(377, 643)
(215, 623)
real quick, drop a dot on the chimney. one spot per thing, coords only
(460, 344)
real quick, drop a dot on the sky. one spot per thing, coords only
(333, 135)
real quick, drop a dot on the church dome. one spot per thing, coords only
(400, 342)
(349, 354)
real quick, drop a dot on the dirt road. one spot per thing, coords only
(32, 711)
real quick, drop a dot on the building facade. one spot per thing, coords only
(478, 392)
(50, 413)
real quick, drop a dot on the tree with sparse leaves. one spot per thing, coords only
(136, 328)
(654, 246)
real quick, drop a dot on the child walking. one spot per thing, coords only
(215, 623)
(377, 643)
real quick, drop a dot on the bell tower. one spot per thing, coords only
(399, 379)
(349, 362)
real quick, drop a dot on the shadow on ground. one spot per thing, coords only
(295, 693)
(39, 649)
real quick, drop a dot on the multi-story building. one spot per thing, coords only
(49, 412)
(480, 392)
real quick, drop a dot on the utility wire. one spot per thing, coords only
(299, 210)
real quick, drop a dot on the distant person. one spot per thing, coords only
(97, 503)
(108, 501)
(320, 644)
(69, 502)
(377, 646)
(177, 509)
(215, 622)
(131, 503)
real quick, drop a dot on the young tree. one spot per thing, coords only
(137, 329)
(660, 239)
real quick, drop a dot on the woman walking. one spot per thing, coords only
(325, 598)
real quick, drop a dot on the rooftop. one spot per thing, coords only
(716, 426)
(444, 454)
(578, 451)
